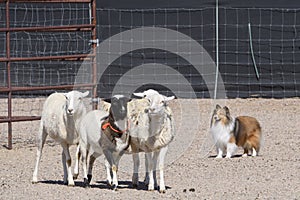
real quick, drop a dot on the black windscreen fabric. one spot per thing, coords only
(139, 4)
(270, 27)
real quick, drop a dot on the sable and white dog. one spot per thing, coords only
(229, 133)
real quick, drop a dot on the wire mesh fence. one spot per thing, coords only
(45, 42)
(257, 47)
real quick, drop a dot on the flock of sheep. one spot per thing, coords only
(121, 126)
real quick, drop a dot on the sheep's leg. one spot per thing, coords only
(136, 164)
(63, 159)
(66, 159)
(108, 173)
(155, 156)
(146, 179)
(40, 143)
(113, 167)
(76, 167)
(91, 164)
(161, 160)
(150, 167)
(84, 154)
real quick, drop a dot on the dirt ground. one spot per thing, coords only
(191, 173)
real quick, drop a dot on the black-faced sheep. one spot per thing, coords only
(105, 133)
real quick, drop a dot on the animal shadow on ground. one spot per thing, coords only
(234, 156)
(124, 185)
(102, 184)
(59, 182)
(53, 182)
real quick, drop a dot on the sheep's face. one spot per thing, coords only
(156, 100)
(158, 103)
(74, 101)
(118, 107)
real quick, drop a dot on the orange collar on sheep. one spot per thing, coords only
(119, 132)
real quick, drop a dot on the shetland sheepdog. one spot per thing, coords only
(229, 133)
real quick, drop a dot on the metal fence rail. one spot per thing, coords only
(7, 60)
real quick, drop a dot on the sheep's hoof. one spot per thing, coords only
(89, 176)
(71, 184)
(150, 188)
(146, 181)
(34, 182)
(135, 185)
(162, 191)
(109, 183)
(75, 176)
(114, 187)
(86, 183)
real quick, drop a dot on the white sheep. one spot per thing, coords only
(60, 118)
(151, 130)
(155, 144)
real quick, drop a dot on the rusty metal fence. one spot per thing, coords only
(42, 22)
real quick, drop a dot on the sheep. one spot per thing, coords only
(160, 134)
(105, 133)
(60, 118)
(151, 130)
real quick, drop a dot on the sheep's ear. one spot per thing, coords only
(66, 95)
(169, 98)
(150, 92)
(139, 94)
(108, 100)
(166, 99)
(85, 94)
(218, 107)
(128, 99)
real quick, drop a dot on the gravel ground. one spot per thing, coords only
(192, 172)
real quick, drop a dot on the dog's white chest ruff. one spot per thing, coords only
(221, 132)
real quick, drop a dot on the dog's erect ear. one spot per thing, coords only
(218, 107)
(226, 110)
